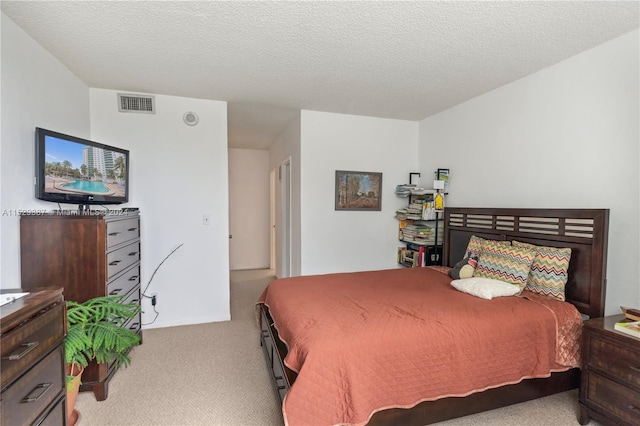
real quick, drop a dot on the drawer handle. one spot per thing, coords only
(132, 229)
(134, 326)
(113, 234)
(29, 346)
(115, 262)
(133, 253)
(42, 387)
(114, 292)
(133, 278)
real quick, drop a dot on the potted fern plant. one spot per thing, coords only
(95, 331)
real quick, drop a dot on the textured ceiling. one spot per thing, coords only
(391, 59)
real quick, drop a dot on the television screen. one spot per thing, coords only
(79, 171)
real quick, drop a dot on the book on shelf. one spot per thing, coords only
(403, 223)
(631, 313)
(401, 215)
(421, 256)
(406, 257)
(630, 328)
(413, 247)
(411, 258)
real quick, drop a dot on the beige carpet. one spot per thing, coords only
(215, 374)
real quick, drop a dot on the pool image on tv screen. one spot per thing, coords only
(75, 168)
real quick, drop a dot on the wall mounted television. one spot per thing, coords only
(79, 171)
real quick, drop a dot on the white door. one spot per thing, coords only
(272, 219)
(286, 218)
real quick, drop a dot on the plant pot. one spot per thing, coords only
(73, 387)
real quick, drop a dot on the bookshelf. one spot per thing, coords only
(419, 227)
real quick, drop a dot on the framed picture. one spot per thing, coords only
(443, 174)
(358, 190)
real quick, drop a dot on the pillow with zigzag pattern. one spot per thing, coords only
(505, 263)
(474, 247)
(549, 271)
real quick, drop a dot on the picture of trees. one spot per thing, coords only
(358, 190)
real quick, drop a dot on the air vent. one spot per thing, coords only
(136, 103)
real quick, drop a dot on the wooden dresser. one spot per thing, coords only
(610, 384)
(32, 367)
(89, 255)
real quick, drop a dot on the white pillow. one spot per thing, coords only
(485, 288)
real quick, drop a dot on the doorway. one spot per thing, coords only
(249, 209)
(282, 201)
(272, 220)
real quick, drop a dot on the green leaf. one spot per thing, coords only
(95, 331)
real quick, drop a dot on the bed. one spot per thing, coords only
(419, 351)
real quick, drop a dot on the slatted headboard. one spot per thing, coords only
(585, 231)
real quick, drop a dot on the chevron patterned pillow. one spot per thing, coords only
(474, 246)
(505, 263)
(549, 270)
(476, 243)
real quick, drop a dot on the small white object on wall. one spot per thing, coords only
(190, 118)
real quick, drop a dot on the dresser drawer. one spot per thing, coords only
(25, 400)
(56, 415)
(119, 231)
(23, 345)
(134, 324)
(266, 337)
(125, 282)
(133, 297)
(620, 362)
(120, 259)
(615, 398)
(280, 378)
(270, 347)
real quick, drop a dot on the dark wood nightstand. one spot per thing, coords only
(610, 383)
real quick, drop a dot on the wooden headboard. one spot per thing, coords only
(585, 231)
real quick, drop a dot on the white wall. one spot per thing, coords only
(566, 137)
(287, 146)
(178, 174)
(249, 209)
(37, 91)
(2, 18)
(345, 241)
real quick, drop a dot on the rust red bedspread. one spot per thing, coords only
(366, 341)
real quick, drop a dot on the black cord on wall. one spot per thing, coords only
(153, 297)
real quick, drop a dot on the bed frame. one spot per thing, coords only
(585, 231)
